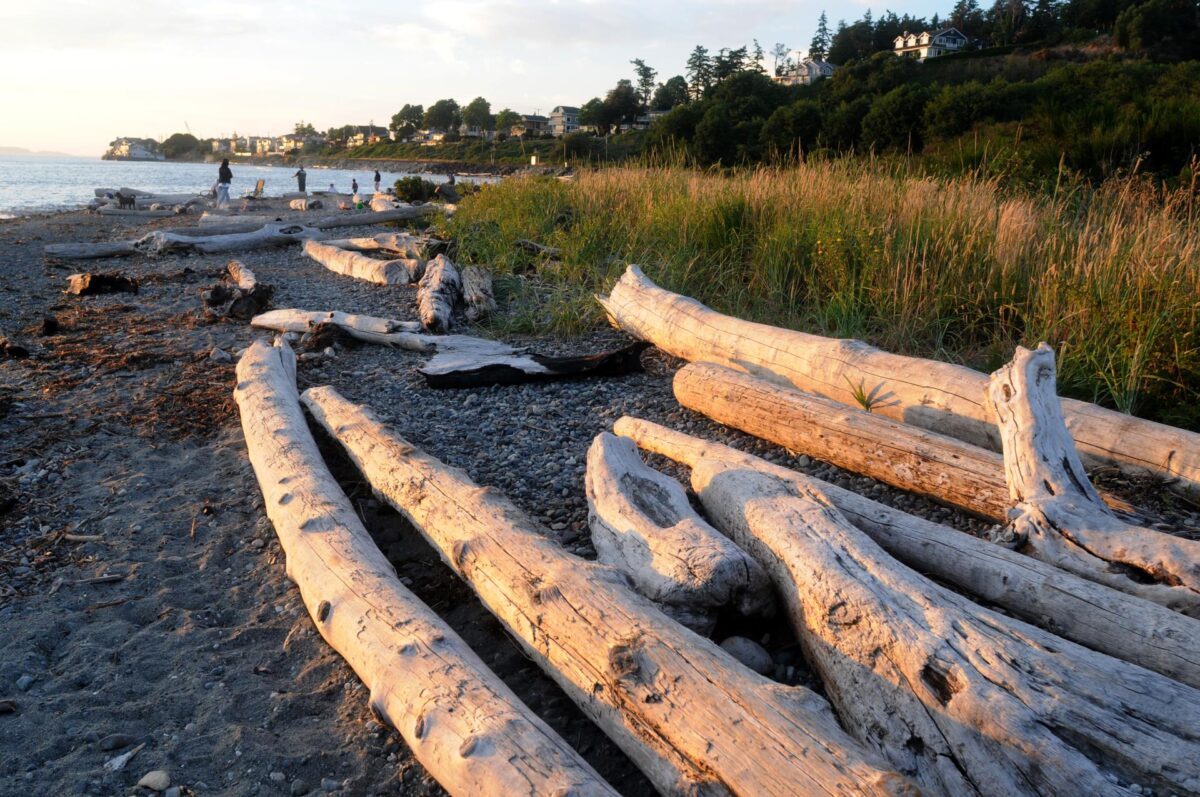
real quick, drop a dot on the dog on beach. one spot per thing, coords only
(124, 201)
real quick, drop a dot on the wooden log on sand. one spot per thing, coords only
(643, 525)
(970, 701)
(477, 293)
(401, 243)
(691, 718)
(1103, 619)
(401, 271)
(1061, 519)
(927, 463)
(933, 395)
(460, 720)
(381, 331)
(161, 242)
(459, 366)
(439, 290)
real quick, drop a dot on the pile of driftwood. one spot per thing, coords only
(1066, 660)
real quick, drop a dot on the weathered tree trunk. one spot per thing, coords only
(1103, 619)
(358, 266)
(240, 295)
(306, 203)
(477, 293)
(372, 217)
(459, 366)
(401, 243)
(933, 395)
(144, 213)
(382, 331)
(969, 701)
(690, 717)
(439, 290)
(90, 251)
(382, 203)
(460, 720)
(91, 284)
(1061, 518)
(643, 525)
(940, 467)
(241, 276)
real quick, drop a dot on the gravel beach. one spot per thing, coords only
(143, 600)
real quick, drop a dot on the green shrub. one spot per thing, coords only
(414, 189)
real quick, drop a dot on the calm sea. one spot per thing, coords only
(30, 184)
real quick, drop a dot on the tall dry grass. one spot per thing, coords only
(958, 269)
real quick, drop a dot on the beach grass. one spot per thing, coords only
(958, 269)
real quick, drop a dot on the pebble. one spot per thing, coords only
(24, 682)
(278, 777)
(299, 787)
(329, 784)
(750, 653)
(174, 791)
(115, 741)
(155, 780)
(220, 356)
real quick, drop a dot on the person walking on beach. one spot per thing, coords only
(301, 178)
(377, 180)
(353, 185)
(224, 178)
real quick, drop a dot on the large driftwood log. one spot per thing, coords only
(438, 291)
(969, 701)
(382, 331)
(642, 524)
(690, 717)
(401, 243)
(401, 271)
(1103, 619)
(933, 395)
(1061, 518)
(477, 293)
(460, 720)
(466, 367)
(931, 464)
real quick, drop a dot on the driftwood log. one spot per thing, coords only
(466, 367)
(381, 331)
(460, 720)
(401, 271)
(239, 295)
(1103, 619)
(438, 291)
(643, 525)
(969, 701)
(1061, 519)
(401, 243)
(91, 284)
(934, 465)
(933, 395)
(690, 717)
(477, 293)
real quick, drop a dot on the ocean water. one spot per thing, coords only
(34, 184)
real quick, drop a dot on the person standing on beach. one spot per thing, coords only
(301, 178)
(377, 180)
(353, 185)
(224, 178)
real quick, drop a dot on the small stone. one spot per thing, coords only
(299, 787)
(278, 777)
(804, 461)
(115, 741)
(24, 682)
(329, 784)
(219, 355)
(155, 780)
(750, 653)
(174, 791)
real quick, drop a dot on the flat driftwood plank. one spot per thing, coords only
(933, 395)
(461, 721)
(1103, 619)
(691, 718)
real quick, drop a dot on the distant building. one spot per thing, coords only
(363, 135)
(133, 149)
(804, 72)
(928, 44)
(293, 142)
(473, 131)
(564, 119)
(530, 124)
(222, 145)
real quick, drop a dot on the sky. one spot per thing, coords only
(75, 74)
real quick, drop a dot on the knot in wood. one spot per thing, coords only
(323, 611)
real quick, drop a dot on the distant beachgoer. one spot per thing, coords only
(332, 190)
(377, 181)
(353, 185)
(301, 178)
(224, 178)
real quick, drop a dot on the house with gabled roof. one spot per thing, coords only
(929, 44)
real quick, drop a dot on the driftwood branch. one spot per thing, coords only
(381, 331)
(439, 290)
(477, 293)
(460, 720)
(457, 366)
(399, 271)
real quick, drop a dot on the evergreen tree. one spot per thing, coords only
(645, 81)
(699, 71)
(818, 48)
(757, 57)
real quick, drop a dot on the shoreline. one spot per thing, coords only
(397, 165)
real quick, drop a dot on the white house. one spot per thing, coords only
(804, 72)
(133, 149)
(928, 44)
(564, 119)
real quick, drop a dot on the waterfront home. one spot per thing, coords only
(362, 135)
(530, 124)
(564, 119)
(133, 149)
(804, 72)
(928, 44)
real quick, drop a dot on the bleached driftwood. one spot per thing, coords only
(382, 203)
(382, 331)
(92, 284)
(456, 366)
(306, 203)
(239, 295)
(352, 264)
(241, 276)
(438, 291)
(969, 701)
(931, 464)
(1103, 619)
(460, 720)
(477, 293)
(112, 210)
(643, 525)
(690, 717)
(933, 395)
(161, 242)
(1061, 519)
(401, 243)
(224, 223)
